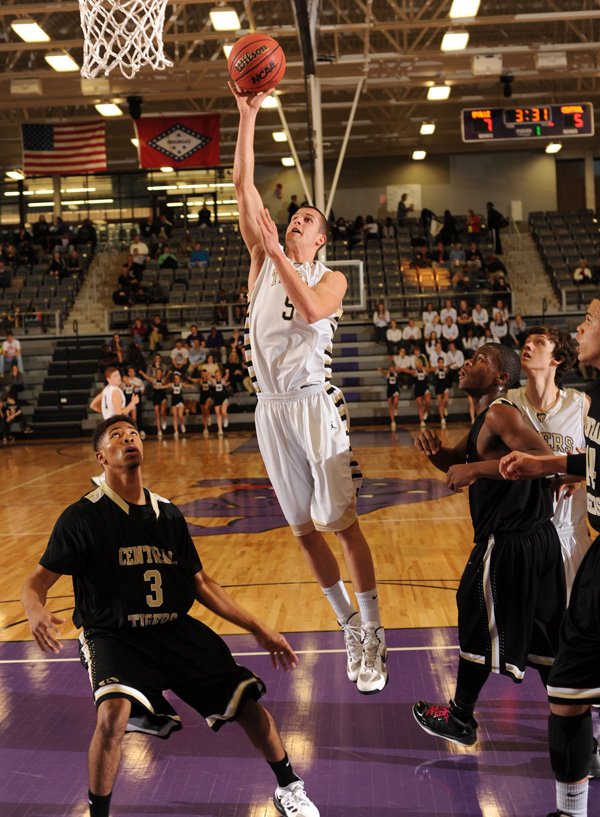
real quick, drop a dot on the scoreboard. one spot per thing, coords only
(543, 121)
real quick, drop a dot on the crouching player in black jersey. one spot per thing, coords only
(574, 681)
(511, 596)
(136, 574)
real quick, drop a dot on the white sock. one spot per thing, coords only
(339, 599)
(368, 604)
(571, 798)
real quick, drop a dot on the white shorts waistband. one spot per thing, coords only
(295, 394)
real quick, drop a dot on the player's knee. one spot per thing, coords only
(570, 741)
(112, 718)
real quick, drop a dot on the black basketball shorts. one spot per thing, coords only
(184, 656)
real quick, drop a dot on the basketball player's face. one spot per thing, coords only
(304, 230)
(121, 448)
(588, 335)
(538, 354)
(479, 374)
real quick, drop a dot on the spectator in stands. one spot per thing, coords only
(404, 208)
(435, 354)
(197, 354)
(495, 222)
(480, 319)
(430, 346)
(473, 227)
(448, 232)
(474, 258)
(393, 336)
(23, 234)
(464, 318)
(27, 255)
(120, 296)
(455, 360)
(210, 365)
(195, 334)
(148, 230)
(449, 331)
(434, 326)
(448, 311)
(236, 342)
(11, 353)
(179, 357)
(404, 365)
(215, 342)
(240, 304)
(158, 362)
(13, 413)
(57, 267)
(5, 276)
(132, 384)
(138, 295)
(457, 256)
(117, 348)
(517, 329)
(502, 285)
(439, 256)
(421, 258)
(428, 314)
(10, 256)
(357, 231)
(389, 228)
(155, 339)
(494, 267)
(221, 310)
(293, 207)
(165, 228)
(204, 217)
(41, 232)
(499, 329)
(426, 218)
(58, 231)
(500, 306)
(16, 318)
(138, 331)
(16, 382)
(199, 257)
(370, 230)
(160, 324)
(86, 234)
(340, 230)
(139, 250)
(74, 263)
(582, 276)
(381, 321)
(411, 334)
(167, 259)
(461, 281)
(470, 343)
(234, 373)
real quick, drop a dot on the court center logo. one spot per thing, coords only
(250, 505)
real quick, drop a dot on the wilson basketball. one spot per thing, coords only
(256, 63)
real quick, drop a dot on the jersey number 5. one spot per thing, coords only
(155, 597)
(289, 305)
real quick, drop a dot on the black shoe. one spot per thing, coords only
(441, 723)
(594, 771)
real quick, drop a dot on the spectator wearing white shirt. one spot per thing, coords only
(480, 319)
(517, 329)
(411, 333)
(464, 318)
(434, 325)
(448, 310)
(499, 329)
(471, 343)
(179, 356)
(404, 364)
(435, 353)
(393, 337)
(139, 249)
(428, 314)
(501, 307)
(449, 330)
(455, 360)
(11, 351)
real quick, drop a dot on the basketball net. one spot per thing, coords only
(122, 33)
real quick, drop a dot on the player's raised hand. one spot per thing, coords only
(428, 442)
(248, 102)
(268, 232)
(282, 655)
(44, 628)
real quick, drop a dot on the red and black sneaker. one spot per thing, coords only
(440, 722)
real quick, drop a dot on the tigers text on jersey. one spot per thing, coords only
(132, 565)
(283, 352)
(562, 428)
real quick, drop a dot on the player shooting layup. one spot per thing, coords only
(301, 419)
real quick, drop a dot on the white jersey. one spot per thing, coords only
(108, 410)
(562, 429)
(283, 352)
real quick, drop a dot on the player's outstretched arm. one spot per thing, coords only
(96, 404)
(442, 457)
(211, 595)
(43, 623)
(518, 465)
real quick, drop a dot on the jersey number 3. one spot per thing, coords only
(287, 316)
(155, 597)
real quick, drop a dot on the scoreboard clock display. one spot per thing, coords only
(541, 122)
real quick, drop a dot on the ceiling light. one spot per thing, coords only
(427, 128)
(227, 49)
(61, 61)
(224, 18)
(553, 147)
(288, 161)
(455, 40)
(280, 136)
(437, 92)
(15, 175)
(269, 102)
(135, 142)
(464, 8)
(26, 87)
(108, 109)
(167, 169)
(419, 155)
(29, 31)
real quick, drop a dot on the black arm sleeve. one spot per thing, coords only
(576, 465)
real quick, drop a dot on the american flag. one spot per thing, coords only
(51, 150)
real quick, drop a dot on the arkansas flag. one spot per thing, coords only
(178, 141)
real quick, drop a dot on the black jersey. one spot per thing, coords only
(592, 455)
(132, 565)
(128, 389)
(501, 506)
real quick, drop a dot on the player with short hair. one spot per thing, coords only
(111, 400)
(511, 596)
(301, 418)
(574, 681)
(136, 574)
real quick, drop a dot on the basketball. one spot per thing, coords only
(256, 63)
